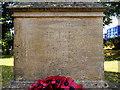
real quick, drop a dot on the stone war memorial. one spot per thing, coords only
(58, 38)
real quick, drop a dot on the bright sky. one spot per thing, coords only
(113, 24)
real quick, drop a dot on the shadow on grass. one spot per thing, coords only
(112, 77)
(112, 55)
(7, 56)
(7, 73)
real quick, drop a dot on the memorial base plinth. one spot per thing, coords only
(88, 85)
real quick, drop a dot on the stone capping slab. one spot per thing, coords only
(58, 6)
(56, 14)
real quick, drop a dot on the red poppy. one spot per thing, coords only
(80, 86)
(59, 77)
(66, 84)
(33, 86)
(50, 78)
(56, 83)
(70, 80)
(67, 81)
(41, 84)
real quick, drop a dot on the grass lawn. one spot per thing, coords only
(7, 69)
(7, 61)
(112, 72)
(112, 77)
(113, 66)
(7, 73)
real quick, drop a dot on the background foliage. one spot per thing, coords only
(115, 41)
(114, 10)
(7, 25)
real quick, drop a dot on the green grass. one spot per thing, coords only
(7, 73)
(7, 65)
(112, 65)
(7, 56)
(112, 77)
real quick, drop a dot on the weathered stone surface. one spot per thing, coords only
(57, 14)
(58, 46)
(22, 85)
(60, 6)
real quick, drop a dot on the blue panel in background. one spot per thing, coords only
(112, 32)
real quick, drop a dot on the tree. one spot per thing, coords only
(116, 42)
(7, 25)
(114, 10)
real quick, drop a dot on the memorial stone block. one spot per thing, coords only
(55, 38)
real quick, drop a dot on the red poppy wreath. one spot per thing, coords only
(56, 83)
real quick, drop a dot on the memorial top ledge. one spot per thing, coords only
(58, 6)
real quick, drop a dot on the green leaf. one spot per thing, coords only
(77, 82)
